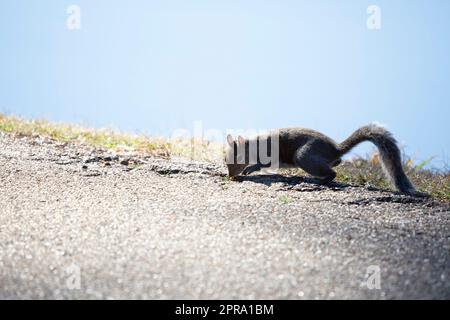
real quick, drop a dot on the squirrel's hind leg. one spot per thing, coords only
(316, 166)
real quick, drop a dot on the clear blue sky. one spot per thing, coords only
(154, 66)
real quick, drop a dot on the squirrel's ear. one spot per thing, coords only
(230, 139)
(241, 140)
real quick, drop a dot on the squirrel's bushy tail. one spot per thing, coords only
(389, 153)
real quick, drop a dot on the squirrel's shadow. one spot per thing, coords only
(299, 183)
(308, 184)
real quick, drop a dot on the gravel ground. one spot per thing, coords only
(138, 227)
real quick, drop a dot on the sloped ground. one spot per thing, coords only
(130, 226)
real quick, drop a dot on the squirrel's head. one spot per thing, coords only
(235, 155)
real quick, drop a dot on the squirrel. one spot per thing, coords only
(317, 154)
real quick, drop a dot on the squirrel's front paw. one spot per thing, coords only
(247, 171)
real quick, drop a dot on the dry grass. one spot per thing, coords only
(369, 172)
(110, 139)
(359, 171)
(106, 138)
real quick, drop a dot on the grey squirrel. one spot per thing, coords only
(315, 153)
